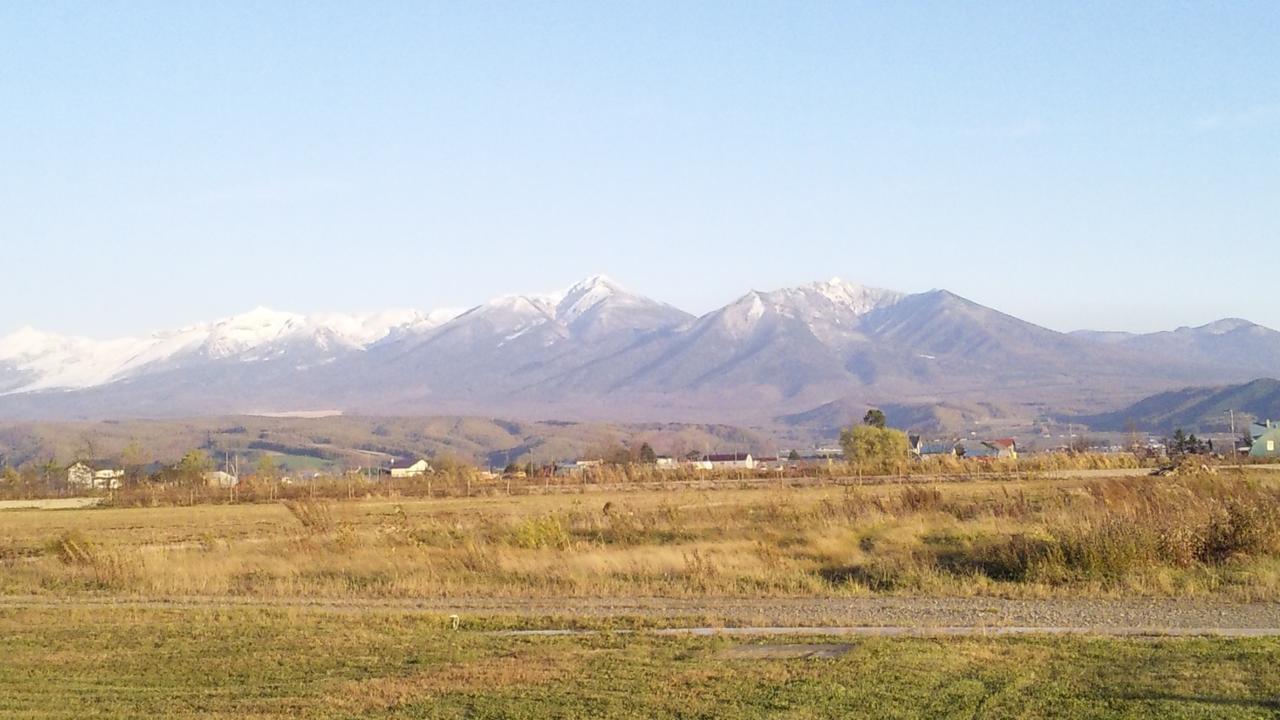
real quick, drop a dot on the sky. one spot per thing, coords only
(1080, 165)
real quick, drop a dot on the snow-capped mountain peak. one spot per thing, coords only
(582, 297)
(539, 306)
(250, 330)
(831, 310)
(741, 317)
(593, 342)
(857, 298)
(566, 308)
(34, 360)
(1224, 326)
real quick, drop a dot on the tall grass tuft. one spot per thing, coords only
(101, 566)
(314, 516)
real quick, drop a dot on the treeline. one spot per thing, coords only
(184, 484)
(300, 450)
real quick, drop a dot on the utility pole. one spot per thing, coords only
(1234, 440)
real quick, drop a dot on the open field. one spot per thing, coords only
(1207, 537)
(272, 664)
(992, 597)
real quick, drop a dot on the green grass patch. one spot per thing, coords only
(273, 664)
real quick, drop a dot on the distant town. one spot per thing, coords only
(919, 454)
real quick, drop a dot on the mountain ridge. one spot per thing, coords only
(597, 350)
(1195, 408)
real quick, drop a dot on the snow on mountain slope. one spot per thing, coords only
(595, 343)
(579, 300)
(831, 310)
(857, 299)
(598, 306)
(46, 361)
(590, 294)
(31, 360)
(594, 306)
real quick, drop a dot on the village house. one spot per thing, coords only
(665, 462)
(921, 449)
(770, 463)
(82, 475)
(108, 479)
(576, 467)
(732, 461)
(1266, 439)
(937, 449)
(220, 479)
(410, 468)
(1004, 447)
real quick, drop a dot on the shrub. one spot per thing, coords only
(1107, 551)
(1013, 559)
(1241, 529)
(538, 533)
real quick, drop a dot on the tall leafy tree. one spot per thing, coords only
(132, 459)
(193, 466)
(265, 468)
(875, 449)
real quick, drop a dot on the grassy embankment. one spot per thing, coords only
(261, 664)
(1200, 536)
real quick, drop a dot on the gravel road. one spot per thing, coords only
(831, 615)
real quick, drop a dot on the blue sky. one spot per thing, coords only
(1107, 165)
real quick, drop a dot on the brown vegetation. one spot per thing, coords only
(1157, 536)
(459, 480)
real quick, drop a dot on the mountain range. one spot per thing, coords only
(1195, 409)
(809, 355)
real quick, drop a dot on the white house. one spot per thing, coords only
(410, 468)
(667, 463)
(732, 461)
(220, 479)
(576, 467)
(108, 479)
(770, 463)
(82, 475)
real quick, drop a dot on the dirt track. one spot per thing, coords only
(878, 616)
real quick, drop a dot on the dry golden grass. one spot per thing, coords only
(1155, 536)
